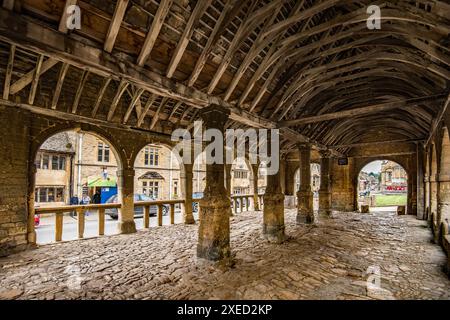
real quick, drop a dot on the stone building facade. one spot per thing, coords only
(88, 158)
(393, 177)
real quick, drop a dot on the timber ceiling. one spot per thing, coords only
(312, 68)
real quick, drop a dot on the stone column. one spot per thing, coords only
(126, 198)
(255, 169)
(273, 212)
(420, 182)
(228, 178)
(186, 186)
(324, 191)
(305, 211)
(31, 232)
(215, 208)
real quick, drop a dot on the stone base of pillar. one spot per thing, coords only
(324, 204)
(305, 211)
(127, 227)
(188, 218)
(31, 237)
(273, 225)
(214, 228)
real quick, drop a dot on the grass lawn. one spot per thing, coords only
(390, 200)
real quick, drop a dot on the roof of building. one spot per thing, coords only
(59, 142)
(153, 175)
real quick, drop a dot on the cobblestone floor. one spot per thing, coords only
(324, 261)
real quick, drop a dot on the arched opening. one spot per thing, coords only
(433, 185)
(157, 177)
(198, 181)
(443, 211)
(315, 184)
(72, 168)
(241, 182)
(382, 185)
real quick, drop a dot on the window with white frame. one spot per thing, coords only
(103, 152)
(151, 188)
(151, 156)
(49, 194)
(46, 161)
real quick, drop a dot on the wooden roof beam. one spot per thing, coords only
(9, 70)
(153, 33)
(404, 103)
(199, 9)
(114, 27)
(63, 21)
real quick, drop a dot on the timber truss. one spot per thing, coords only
(311, 68)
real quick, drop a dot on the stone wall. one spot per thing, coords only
(342, 186)
(14, 150)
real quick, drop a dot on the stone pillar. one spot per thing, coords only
(255, 169)
(420, 182)
(126, 198)
(31, 232)
(324, 191)
(305, 212)
(186, 187)
(273, 212)
(215, 209)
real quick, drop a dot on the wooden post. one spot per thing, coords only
(160, 215)
(58, 226)
(146, 217)
(101, 221)
(80, 218)
(172, 213)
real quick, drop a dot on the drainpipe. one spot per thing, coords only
(170, 176)
(79, 164)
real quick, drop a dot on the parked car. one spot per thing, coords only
(138, 211)
(196, 196)
(37, 219)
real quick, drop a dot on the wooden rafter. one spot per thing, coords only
(153, 33)
(119, 93)
(63, 21)
(200, 7)
(100, 96)
(35, 80)
(76, 101)
(147, 107)
(59, 85)
(402, 103)
(28, 78)
(133, 103)
(158, 111)
(9, 70)
(114, 27)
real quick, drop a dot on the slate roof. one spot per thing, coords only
(60, 142)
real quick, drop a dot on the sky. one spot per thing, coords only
(374, 167)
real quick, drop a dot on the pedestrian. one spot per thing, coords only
(86, 200)
(97, 199)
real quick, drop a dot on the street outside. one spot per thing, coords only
(45, 232)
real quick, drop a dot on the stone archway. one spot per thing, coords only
(36, 143)
(391, 179)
